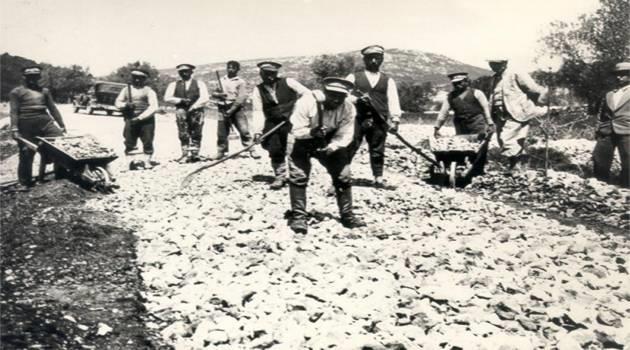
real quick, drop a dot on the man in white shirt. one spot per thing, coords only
(189, 96)
(378, 109)
(323, 127)
(273, 102)
(139, 104)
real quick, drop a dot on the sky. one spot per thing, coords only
(106, 34)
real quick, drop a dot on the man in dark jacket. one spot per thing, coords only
(273, 102)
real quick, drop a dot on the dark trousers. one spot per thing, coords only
(190, 128)
(239, 120)
(43, 126)
(143, 130)
(473, 125)
(276, 146)
(604, 153)
(375, 137)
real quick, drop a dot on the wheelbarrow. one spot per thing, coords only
(80, 158)
(458, 158)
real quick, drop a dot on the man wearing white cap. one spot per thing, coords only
(31, 108)
(231, 106)
(613, 130)
(139, 104)
(189, 96)
(323, 127)
(512, 108)
(273, 101)
(472, 114)
(378, 109)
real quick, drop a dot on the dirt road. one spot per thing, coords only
(434, 269)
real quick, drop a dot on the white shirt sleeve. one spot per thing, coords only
(203, 95)
(345, 131)
(169, 94)
(393, 101)
(301, 117)
(441, 118)
(258, 117)
(153, 105)
(122, 97)
(483, 101)
(297, 87)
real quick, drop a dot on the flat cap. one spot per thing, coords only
(455, 77)
(32, 70)
(140, 72)
(185, 66)
(269, 65)
(498, 60)
(622, 66)
(338, 85)
(373, 49)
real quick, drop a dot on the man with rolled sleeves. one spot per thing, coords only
(189, 96)
(33, 113)
(472, 113)
(613, 129)
(323, 127)
(273, 101)
(139, 103)
(375, 94)
(232, 109)
(514, 101)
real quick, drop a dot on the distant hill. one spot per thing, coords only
(11, 73)
(402, 65)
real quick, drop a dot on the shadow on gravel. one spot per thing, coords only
(362, 182)
(263, 178)
(69, 276)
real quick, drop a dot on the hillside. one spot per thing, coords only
(402, 65)
(11, 72)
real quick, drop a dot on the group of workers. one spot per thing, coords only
(295, 124)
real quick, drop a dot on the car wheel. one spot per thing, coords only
(90, 110)
(76, 109)
(110, 112)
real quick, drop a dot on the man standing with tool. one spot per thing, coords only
(273, 102)
(31, 108)
(613, 129)
(378, 109)
(232, 96)
(139, 103)
(189, 97)
(323, 126)
(513, 99)
(472, 113)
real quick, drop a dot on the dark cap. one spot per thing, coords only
(373, 49)
(185, 66)
(269, 65)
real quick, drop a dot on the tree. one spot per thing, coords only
(414, 97)
(65, 82)
(589, 48)
(332, 66)
(156, 81)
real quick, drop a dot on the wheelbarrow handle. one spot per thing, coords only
(28, 143)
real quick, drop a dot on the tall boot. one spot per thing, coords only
(184, 156)
(344, 201)
(280, 170)
(297, 219)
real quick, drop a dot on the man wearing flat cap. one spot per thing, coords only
(33, 113)
(378, 109)
(139, 103)
(515, 99)
(232, 108)
(472, 114)
(189, 96)
(273, 101)
(613, 129)
(323, 126)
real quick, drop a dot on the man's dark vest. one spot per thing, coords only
(282, 109)
(465, 105)
(192, 93)
(378, 95)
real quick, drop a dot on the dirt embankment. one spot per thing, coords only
(69, 277)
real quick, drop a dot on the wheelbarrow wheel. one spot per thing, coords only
(104, 178)
(452, 175)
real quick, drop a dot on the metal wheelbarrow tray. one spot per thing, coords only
(457, 156)
(81, 157)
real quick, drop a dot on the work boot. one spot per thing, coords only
(330, 191)
(344, 201)
(379, 182)
(217, 156)
(277, 183)
(297, 218)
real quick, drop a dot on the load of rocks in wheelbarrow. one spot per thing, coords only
(82, 147)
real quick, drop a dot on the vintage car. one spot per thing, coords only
(100, 97)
